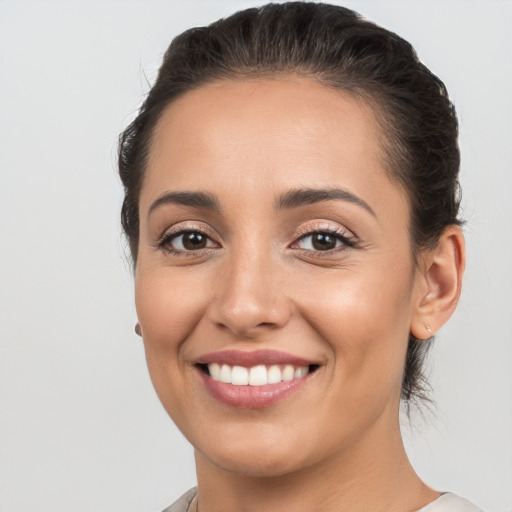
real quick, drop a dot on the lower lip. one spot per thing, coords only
(252, 397)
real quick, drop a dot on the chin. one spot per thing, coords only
(257, 464)
(258, 453)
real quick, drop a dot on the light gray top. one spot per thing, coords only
(447, 502)
(183, 503)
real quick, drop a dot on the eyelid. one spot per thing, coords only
(346, 236)
(181, 228)
(321, 225)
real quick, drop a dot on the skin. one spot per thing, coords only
(261, 284)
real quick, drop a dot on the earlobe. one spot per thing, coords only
(441, 276)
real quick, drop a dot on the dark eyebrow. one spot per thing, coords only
(202, 200)
(304, 196)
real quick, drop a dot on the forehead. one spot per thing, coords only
(281, 132)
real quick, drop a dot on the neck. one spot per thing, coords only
(371, 475)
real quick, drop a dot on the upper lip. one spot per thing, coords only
(252, 358)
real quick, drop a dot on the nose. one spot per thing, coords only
(250, 296)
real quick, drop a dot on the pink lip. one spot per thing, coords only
(252, 397)
(252, 358)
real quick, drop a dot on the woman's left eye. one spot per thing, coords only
(323, 241)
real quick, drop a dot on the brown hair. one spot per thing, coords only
(337, 47)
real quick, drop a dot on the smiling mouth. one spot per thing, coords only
(258, 375)
(254, 379)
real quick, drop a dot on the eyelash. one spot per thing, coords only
(340, 234)
(164, 242)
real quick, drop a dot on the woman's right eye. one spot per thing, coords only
(186, 241)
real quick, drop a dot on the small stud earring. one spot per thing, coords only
(429, 329)
(138, 330)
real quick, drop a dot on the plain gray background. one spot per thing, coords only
(80, 426)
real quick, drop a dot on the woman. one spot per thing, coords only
(291, 204)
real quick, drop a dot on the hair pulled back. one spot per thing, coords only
(338, 48)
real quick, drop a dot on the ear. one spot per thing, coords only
(439, 283)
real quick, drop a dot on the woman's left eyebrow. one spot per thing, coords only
(304, 196)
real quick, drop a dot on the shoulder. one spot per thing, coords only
(182, 504)
(449, 502)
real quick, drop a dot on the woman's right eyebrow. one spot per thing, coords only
(203, 200)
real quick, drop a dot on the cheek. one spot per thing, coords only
(364, 319)
(169, 307)
(168, 304)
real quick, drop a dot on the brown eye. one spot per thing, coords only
(186, 241)
(320, 241)
(323, 241)
(193, 240)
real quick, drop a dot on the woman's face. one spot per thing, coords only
(274, 249)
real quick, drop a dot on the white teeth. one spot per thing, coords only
(288, 372)
(225, 374)
(274, 375)
(239, 376)
(302, 371)
(214, 369)
(257, 375)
